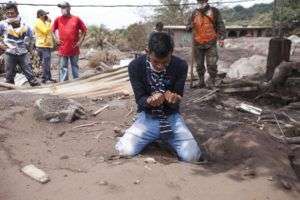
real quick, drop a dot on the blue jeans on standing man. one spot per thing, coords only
(11, 62)
(146, 130)
(64, 72)
(45, 57)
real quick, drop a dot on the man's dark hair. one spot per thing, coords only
(11, 5)
(161, 44)
(159, 26)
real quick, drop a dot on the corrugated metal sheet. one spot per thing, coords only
(99, 85)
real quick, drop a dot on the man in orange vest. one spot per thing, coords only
(208, 27)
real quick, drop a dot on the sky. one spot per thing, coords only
(111, 17)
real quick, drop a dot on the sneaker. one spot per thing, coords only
(52, 81)
(34, 83)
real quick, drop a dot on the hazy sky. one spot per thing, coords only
(111, 17)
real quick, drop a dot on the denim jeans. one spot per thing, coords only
(64, 72)
(11, 62)
(146, 130)
(45, 57)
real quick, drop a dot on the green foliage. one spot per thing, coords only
(1, 13)
(289, 11)
(239, 15)
(261, 14)
(171, 15)
(98, 34)
(137, 36)
(264, 19)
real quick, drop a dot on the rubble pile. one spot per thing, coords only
(255, 65)
(255, 45)
(103, 59)
(58, 109)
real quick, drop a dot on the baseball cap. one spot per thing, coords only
(64, 4)
(41, 13)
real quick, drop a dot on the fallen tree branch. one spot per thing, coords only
(293, 140)
(130, 112)
(100, 110)
(86, 125)
(206, 96)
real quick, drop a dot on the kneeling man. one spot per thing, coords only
(158, 80)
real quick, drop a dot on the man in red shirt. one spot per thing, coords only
(71, 33)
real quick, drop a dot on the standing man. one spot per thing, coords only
(158, 81)
(44, 43)
(17, 37)
(208, 27)
(159, 27)
(71, 31)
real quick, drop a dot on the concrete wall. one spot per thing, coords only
(231, 33)
(182, 38)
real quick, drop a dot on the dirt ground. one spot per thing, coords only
(243, 160)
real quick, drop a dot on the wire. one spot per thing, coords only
(132, 5)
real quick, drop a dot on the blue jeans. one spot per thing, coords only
(45, 57)
(146, 130)
(11, 62)
(64, 72)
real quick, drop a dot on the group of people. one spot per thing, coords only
(18, 38)
(157, 78)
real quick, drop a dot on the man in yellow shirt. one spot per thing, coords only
(44, 43)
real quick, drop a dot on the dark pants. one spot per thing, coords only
(209, 54)
(11, 62)
(45, 57)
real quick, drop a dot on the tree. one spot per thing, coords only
(172, 15)
(137, 36)
(239, 15)
(1, 52)
(98, 34)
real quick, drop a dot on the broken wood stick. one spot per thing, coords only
(130, 112)
(290, 118)
(92, 131)
(293, 140)
(241, 89)
(100, 110)
(8, 86)
(86, 125)
(206, 96)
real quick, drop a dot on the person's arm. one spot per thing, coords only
(81, 39)
(138, 86)
(220, 27)
(189, 25)
(181, 78)
(83, 31)
(54, 29)
(44, 28)
(2, 29)
(29, 39)
(173, 97)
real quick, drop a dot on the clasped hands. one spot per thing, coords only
(158, 98)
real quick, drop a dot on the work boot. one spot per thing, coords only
(211, 82)
(200, 84)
